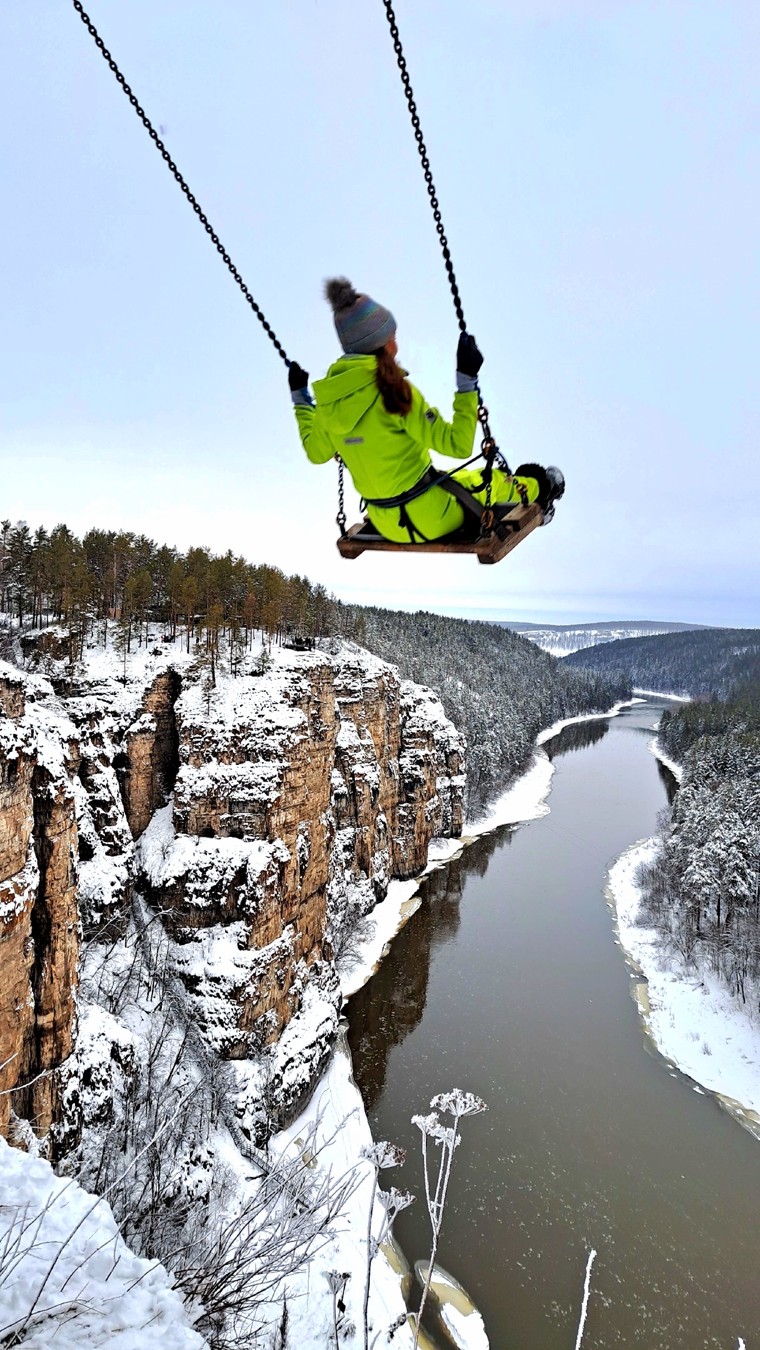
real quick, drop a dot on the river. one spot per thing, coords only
(509, 982)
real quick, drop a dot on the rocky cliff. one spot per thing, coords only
(270, 813)
(39, 937)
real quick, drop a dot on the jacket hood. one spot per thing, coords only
(347, 392)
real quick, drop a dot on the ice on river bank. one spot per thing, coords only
(675, 768)
(690, 1015)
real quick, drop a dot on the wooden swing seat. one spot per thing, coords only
(510, 530)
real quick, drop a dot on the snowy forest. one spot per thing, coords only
(55, 577)
(498, 688)
(703, 888)
(700, 663)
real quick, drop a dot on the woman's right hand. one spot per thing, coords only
(469, 357)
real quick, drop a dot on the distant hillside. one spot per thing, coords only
(497, 688)
(700, 663)
(562, 638)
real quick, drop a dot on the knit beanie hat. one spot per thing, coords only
(361, 324)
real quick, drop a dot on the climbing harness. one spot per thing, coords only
(500, 528)
(164, 153)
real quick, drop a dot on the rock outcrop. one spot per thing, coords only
(298, 797)
(39, 928)
(270, 814)
(147, 766)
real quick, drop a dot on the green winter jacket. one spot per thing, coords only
(385, 453)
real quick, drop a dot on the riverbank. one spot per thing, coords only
(689, 1014)
(671, 765)
(524, 800)
(658, 693)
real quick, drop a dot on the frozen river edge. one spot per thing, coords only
(688, 1014)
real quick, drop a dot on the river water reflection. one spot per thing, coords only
(509, 982)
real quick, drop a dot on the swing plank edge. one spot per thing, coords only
(489, 550)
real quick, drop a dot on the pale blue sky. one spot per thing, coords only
(597, 166)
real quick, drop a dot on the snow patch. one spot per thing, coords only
(68, 1278)
(691, 1017)
(655, 748)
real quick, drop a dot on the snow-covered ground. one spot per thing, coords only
(66, 1277)
(675, 768)
(692, 1018)
(657, 693)
(335, 1118)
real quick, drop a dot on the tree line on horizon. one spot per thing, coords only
(702, 663)
(54, 577)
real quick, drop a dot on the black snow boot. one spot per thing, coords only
(551, 485)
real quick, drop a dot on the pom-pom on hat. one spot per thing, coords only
(361, 324)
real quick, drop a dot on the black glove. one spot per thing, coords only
(298, 378)
(469, 359)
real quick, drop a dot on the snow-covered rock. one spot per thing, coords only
(261, 816)
(300, 794)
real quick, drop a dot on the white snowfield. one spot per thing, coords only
(66, 1277)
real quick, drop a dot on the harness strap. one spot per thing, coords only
(430, 478)
(464, 496)
(406, 523)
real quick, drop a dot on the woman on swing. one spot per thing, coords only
(367, 412)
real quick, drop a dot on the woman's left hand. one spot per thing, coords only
(298, 378)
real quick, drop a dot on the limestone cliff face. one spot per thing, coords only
(66, 855)
(128, 762)
(270, 814)
(298, 797)
(39, 929)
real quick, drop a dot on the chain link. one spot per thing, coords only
(340, 519)
(422, 150)
(200, 213)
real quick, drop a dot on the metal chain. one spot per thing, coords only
(340, 519)
(422, 149)
(489, 447)
(200, 213)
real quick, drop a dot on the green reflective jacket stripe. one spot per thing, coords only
(385, 453)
